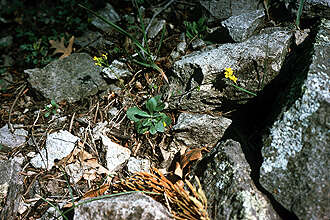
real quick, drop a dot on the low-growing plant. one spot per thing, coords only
(102, 61)
(153, 121)
(37, 52)
(299, 12)
(146, 58)
(51, 108)
(196, 29)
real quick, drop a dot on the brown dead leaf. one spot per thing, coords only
(183, 204)
(96, 192)
(178, 170)
(194, 154)
(60, 47)
(86, 162)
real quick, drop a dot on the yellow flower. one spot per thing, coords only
(229, 74)
(105, 55)
(233, 78)
(229, 70)
(164, 124)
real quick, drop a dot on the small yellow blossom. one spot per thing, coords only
(229, 71)
(229, 74)
(233, 78)
(164, 124)
(101, 61)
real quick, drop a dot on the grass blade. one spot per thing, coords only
(119, 29)
(299, 12)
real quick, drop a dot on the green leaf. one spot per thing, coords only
(135, 111)
(160, 126)
(146, 122)
(165, 118)
(152, 104)
(152, 130)
(142, 130)
(47, 114)
(53, 103)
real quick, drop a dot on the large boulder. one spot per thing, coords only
(221, 9)
(296, 152)
(11, 187)
(130, 206)
(200, 83)
(71, 78)
(230, 191)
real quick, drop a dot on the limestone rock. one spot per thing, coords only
(242, 26)
(230, 191)
(296, 152)
(200, 83)
(71, 78)
(130, 206)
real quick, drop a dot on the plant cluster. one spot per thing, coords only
(37, 25)
(51, 108)
(37, 52)
(153, 121)
(146, 58)
(102, 61)
(196, 29)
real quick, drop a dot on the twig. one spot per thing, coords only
(35, 142)
(12, 107)
(70, 127)
(97, 109)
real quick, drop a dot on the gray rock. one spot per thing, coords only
(242, 26)
(116, 70)
(199, 130)
(156, 27)
(71, 78)
(116, 155)
(296, 152)
(8, 139)
(301, 35)
(108, 13)
(92, 40)
(180, 48)
(230, 191)
(198, 44)
(130, 206)
(11, 187)
(58, 145)
(194, 131)
(222, 9)
(200, 83)
(51, 213)
(138, 165)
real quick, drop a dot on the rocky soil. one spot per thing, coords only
(245, 87)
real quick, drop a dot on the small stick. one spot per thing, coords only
(71, 122)
(12, 107)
